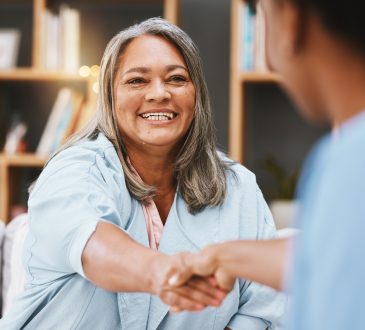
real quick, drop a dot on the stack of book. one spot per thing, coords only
(61, 46)
(68, 115)
(253, 51)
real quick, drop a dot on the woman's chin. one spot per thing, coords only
(160, 141)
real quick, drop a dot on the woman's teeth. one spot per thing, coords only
(158, 116)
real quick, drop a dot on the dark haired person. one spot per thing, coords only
(318, 47)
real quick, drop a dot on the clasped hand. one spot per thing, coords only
(191, 282)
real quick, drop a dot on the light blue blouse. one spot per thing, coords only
(85, 184)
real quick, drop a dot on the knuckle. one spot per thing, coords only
(173, 299)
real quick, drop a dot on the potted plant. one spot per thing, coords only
(282, 203)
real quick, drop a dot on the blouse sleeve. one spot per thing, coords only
(260, 307)
(64, 209)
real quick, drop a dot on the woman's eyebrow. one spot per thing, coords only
(142, 69)
(176, 66)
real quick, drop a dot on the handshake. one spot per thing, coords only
(188, 281)
(192, 281)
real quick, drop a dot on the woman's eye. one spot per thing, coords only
(178, 79)
(135, 81)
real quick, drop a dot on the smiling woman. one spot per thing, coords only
(120, 207)
(155, 67)
(155, 97)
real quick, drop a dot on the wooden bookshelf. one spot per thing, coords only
(260, 77)
(29, 74)
(10, 165)
(172, 11)
(238, 81)
(7, 163)
(22, 160)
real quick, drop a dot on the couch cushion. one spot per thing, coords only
(13, 271)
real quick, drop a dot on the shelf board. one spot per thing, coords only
(22, 160)
(260, 77)
(108, 2)
(25, 74)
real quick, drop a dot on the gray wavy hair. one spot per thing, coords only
(199, 171)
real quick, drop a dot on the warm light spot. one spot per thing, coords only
(95, 70)
(84, 71)
(96, 87)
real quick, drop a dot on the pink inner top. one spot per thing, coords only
(153, 220)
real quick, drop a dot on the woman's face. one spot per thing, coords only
(154, 95)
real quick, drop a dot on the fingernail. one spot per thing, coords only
(173, 280)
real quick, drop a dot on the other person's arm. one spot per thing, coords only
(259, 261)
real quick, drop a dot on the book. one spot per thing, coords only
(51, 48)
(260, 40)
(253, 47)
(78, 103)
(15, 137)
(70, 39)
(62, 121)
(58, 113)
(86, 113)
(9, 48)
(63, 127)
(61, 35)
(248, 35)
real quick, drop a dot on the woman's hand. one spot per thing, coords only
(194, 295)
(205, 264)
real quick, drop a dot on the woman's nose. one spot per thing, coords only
(157, 92)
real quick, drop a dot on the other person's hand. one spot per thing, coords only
(204, 264)
(193, 293)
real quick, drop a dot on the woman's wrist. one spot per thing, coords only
(160, 268)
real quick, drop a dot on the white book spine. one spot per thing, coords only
(261, 64)
(52, 41)
(70, 25)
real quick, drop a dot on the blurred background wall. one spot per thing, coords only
(208, 23)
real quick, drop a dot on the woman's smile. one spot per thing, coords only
(161, 116)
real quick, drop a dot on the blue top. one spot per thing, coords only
(329, 271)
(85, 184)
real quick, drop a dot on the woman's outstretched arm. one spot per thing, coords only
(114, 261)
